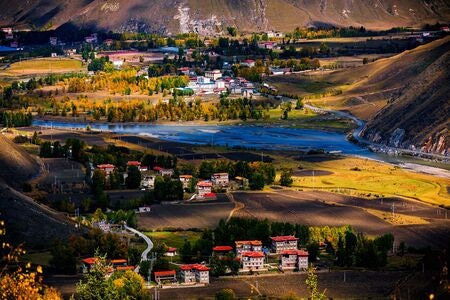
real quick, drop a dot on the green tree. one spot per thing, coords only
(286, 177)
(186, 252)
(133, 180)
(226, 294)
(98, 183)
(63, 259)
(256, 181)
(311, 283)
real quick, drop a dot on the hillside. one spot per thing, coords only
(26, 221)
(212, 16)
(16, 165)
(419, 114)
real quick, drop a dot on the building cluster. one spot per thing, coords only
(252, 255)
(114, 264)
(204, 188)
(214, 82)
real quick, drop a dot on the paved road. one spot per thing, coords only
(149, 242)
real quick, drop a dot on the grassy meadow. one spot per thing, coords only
(370, 179)
(174, 238)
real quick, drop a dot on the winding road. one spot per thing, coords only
(149, 242)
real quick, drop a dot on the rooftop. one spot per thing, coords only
(253, 254)
(197, 267)
(165, 273)
(222, 248)
(253, 243)
(284, 238)
(295, 252)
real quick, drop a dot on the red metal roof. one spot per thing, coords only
(124, 268)
(157, 168)
(253, 254)
(204, 183)
(90, 260)
(209, 195)
(134, 163)
(222, 248)
(284, 238)
(171, 249)
(165, 273)
(197, 267)
(295, 252)
(105, 166)
(119, 261)
(253, 243)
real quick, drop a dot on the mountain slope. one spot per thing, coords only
(211, 16)
(418, 115)
(26, 220)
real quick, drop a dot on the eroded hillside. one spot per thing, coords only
(212, 16)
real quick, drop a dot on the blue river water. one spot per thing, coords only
(248, 136)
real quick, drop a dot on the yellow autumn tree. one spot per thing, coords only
(17, 281)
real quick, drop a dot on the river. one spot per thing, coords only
(258, 137)
(248, 136)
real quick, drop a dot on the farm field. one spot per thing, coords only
(358, 285)
(174, 238)
(321, 208)
(184, 216)
(364, 177)
(43, 66)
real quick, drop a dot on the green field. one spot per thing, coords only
(368, 178)
(174, 238)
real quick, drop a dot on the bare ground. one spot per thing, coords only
(321, 208)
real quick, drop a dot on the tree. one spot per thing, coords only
(144, 268)
(226, 294)
(311, 283)
(64, 259)
(365, 60)
(95, 285)
(133, 180)
(286, 177)
(186, 252)
(256, 181)
(98, 183)
(25, 282)
(232, 31)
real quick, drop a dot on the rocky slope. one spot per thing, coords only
(212, 16)
(417, 116)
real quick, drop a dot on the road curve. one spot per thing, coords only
(146, 239)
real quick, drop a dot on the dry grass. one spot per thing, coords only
(43, 66)
(361, 177)
(398, 219)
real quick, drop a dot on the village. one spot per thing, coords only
(253, 258)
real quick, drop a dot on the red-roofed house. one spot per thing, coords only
(281, 243)
(294, 259)
(219, 179)
(248, 246)
(186, 180)
(171, 251)
(204, 188)
(165, 276)
(137, 164)
(107, 168)
(252, 261)
(88, 263)
(194, 273)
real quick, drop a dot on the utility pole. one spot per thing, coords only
(393, 210)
